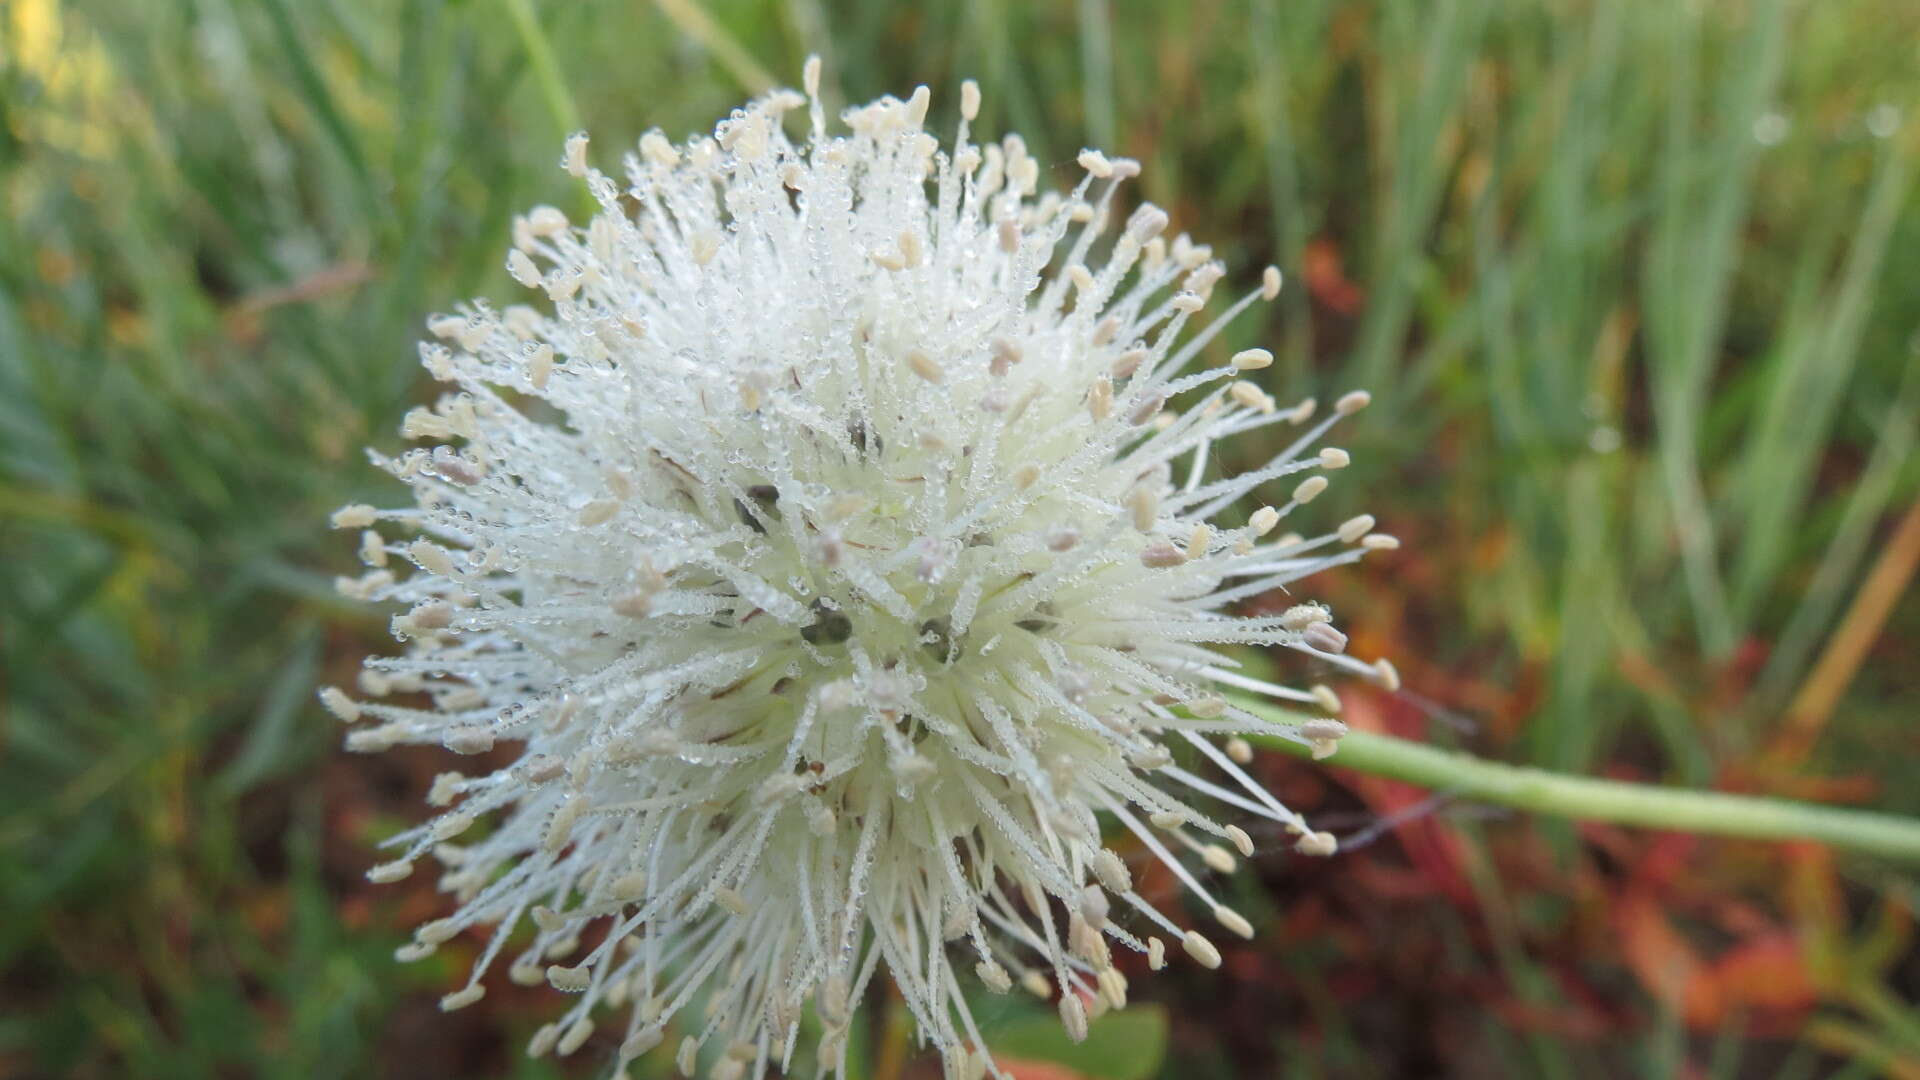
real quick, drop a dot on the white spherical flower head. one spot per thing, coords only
(833, 539)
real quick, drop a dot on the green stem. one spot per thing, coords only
(545, 72)
(1647, 805)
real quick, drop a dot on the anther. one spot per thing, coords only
(1309, 489)
(560, 829)
(340, 705)
(1325, 638)
(437, 932)
(1073, 1016)
(1332, 457)
(994, 976)
(1252, 359)
(1323, 736)
(1250, 396)
(539, 365)
(576, 154)
(445, 788)
(452, 825)
(1317, 843)
(1352, 402)
(1096, 163)
(521, 269)
(1159, 556)
(1144, 507)
(1270, 283)
(1240, 840)
(1093, 904)
(389, 872)
(1201, 949)
(924, 366)
(373, 548)
(1233, 921)
(641, 1041)
(474, 739)
(460, 999)
(431, 557)
(1036, 984)
(1324, 697)
(1112, 871)
(1100, 399)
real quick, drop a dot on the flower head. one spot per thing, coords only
(834, 541)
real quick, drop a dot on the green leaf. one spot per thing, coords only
(1125, 1045)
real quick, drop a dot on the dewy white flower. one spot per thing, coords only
(815, 538)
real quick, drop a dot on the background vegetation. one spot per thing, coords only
(1631, 281)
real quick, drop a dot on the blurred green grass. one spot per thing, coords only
(1630, 282)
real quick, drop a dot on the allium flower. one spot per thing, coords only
(835, 540)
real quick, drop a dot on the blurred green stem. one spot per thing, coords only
(1646, 805)
(540, 56)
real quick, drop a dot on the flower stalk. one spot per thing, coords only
(1619, 802)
